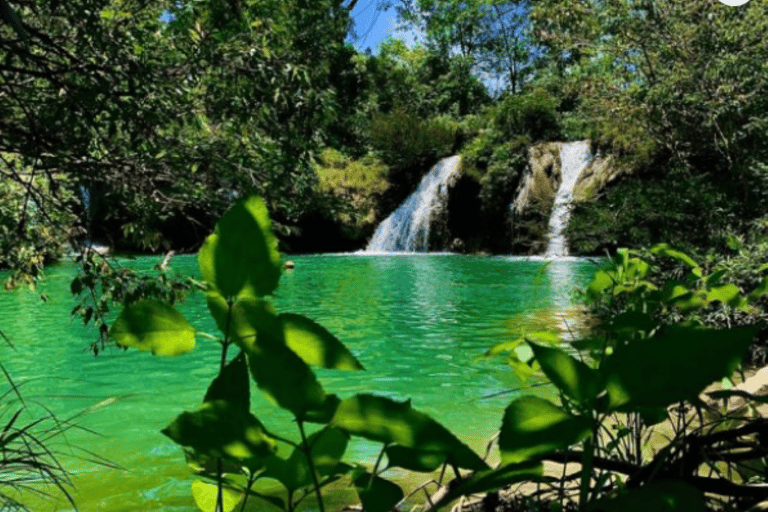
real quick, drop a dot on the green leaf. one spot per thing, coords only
(279, 373)
(325, 411)
(728, 294)
(377, 495)
(206, 495)
(666, 250)
(574, 378)
(285, 378)
(154, 326)
(315, 345)
(327, 448)
(414, 459)
(600, 282)
(676, 364)
(489, 480)
(533, 427)
(667, 496)
(232, 384)
(241, 255)
(222, 429)
(760, 290)
(387, 421)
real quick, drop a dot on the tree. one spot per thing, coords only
(162, 110)
(492, 35)
(691, 76)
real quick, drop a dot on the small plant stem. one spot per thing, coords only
(251, 479)
(308, 453)
(220, 488)
(219, 465)
(586, 471)
(376, 466)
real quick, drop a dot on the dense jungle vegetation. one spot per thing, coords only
(139, 124)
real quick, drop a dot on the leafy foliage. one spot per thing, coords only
(240, 265)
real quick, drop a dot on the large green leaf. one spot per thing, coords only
(377, 494)
(668, 496)
(285, 378)
(241, 255)
(387, 421)
(315, 345)
(154, 326)
(278, 371)
(232, 384)
(676, 364)
(533, 427)
(327, 448)
(222, 429)
(206, 495)
(574, 378)
(666, 250)
(489, 480)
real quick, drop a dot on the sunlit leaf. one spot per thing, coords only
(728, 294)
(533, 427)
(206, 496)
(315, 345)
(387, 421)
(154, 326)
(574, 378)
(242, 252)
(666, 250)
(600, 282)
(221, 429)
(279, 373)
(677, 364)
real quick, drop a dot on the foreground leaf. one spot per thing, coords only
(674, 365)
(533, 427)
(315, 345)
(241, 255)
(206, 496)
(232, 384)
(154, 326)
(387, 421)
(574, 378)
(327, 448)
(221, 429)
(377, 495)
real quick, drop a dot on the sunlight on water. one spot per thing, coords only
(419, 325)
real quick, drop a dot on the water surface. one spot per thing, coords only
(418, 323)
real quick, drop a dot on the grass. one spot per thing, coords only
(339, 174)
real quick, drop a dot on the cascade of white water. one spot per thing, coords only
(407, 228)
(574, 157)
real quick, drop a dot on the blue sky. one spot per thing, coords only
(373, 26)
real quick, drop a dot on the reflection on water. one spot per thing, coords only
(418, 324)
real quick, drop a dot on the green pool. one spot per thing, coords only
(417, 322)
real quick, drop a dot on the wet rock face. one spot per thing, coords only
(534, 200)
(542, 178)
(532, 208)
(601, 171)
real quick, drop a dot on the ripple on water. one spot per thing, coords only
(417, 323)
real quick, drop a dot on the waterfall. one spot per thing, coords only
(407, 228)
(574, 157)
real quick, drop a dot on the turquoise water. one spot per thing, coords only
(418, 323)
